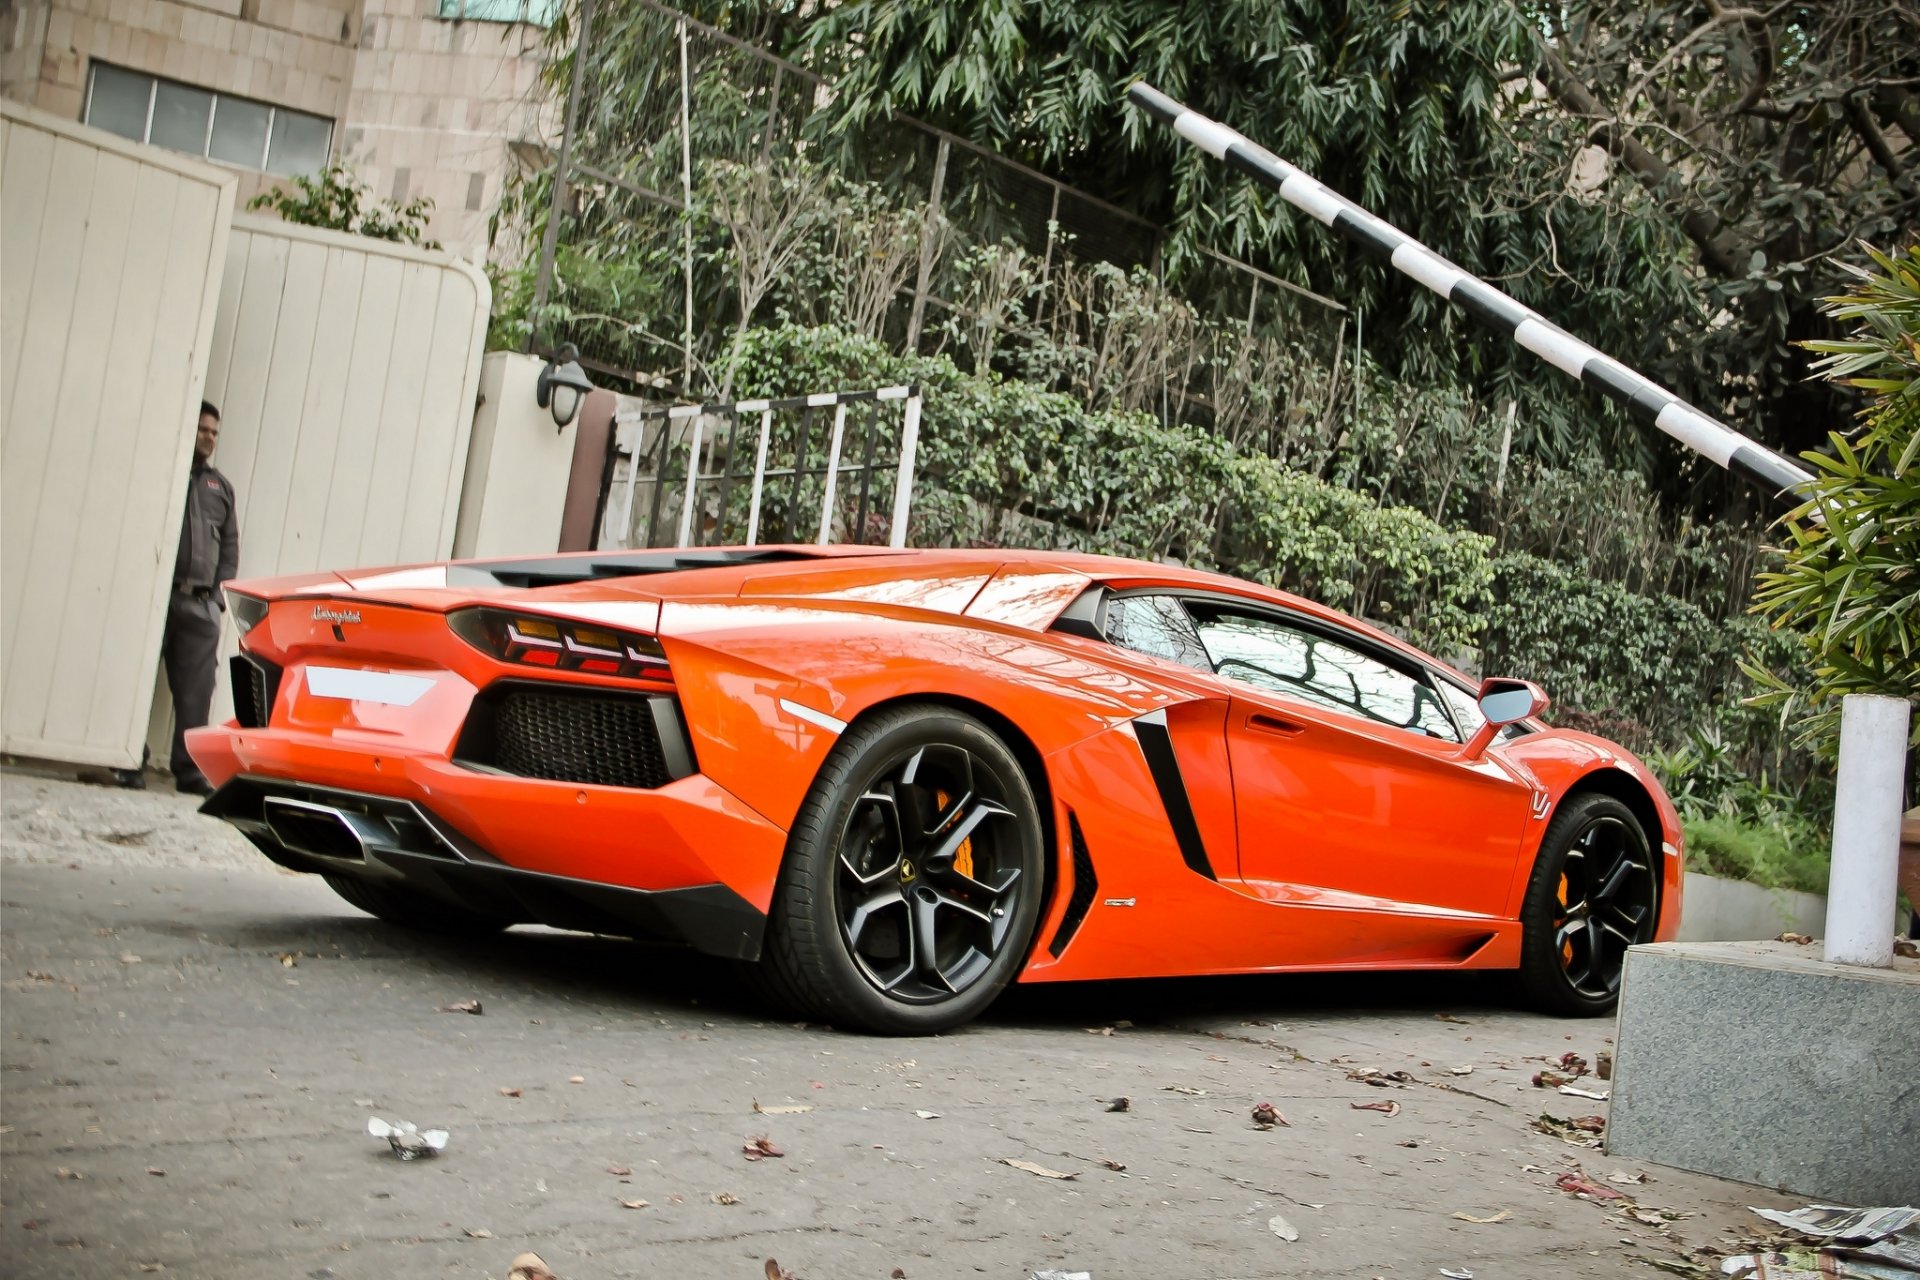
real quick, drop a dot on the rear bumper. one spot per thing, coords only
(331, 832)
(687, 862)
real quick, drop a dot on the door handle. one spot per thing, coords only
(1274, 724)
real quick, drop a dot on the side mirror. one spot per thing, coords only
(1503, 702)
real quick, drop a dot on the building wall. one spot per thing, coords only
(421, 106)
(436, 109)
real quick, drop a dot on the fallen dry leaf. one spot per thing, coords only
(1800, 939)
(633, 1204)
(1282, 1228)
(1120, 1104)
(41, 975)
(1501, 1216)
(127, 957)
(576, 1079)
(1906, 949)
(897, 1274)
(1550, 1080)
(1099, 1031)
(476, 1233)
(66, 1175)
(1579, 1186)
(928, 1115)
(509, 1091)
(529, 1266)
(1603, 1065)
(777, 1272)
(1114, 1165)
(725, 1197)
(760, 1147)
(1581, 1132)
(1266, 1115)
(1391, 1108)
(1447, 1017)
(287, 959)
(1626, 1179)
(1189, 1090)
(1040, 1170)
(793, 1109)
(1459, 1071)
(1651, 1217)
(619, 1171)
(156, 1172)
(1574, 1063)
(461, 1006)
(1381, 1079)
(1591, 1095)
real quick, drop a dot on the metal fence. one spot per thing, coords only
(828, 467)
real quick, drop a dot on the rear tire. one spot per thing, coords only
(414, 910)
(1594, 892)
(912, 881)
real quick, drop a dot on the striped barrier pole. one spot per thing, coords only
(1643, 397)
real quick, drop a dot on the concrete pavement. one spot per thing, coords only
(207, 1102)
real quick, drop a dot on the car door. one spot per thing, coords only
(1349, 788)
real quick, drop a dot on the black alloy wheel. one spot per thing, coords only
(913, 877)
(1594, 893)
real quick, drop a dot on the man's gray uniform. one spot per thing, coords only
(209, 555)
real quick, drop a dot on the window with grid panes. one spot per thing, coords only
(203, 122)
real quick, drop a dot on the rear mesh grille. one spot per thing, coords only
(604, 739)
(1085, 886)
(255, 685)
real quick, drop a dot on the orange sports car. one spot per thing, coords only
(893, 782)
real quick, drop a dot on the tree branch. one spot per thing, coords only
(1718, 249)
(1860, 116)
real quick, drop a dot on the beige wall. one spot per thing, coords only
(421, 106)
(517, 465)
(112, 255)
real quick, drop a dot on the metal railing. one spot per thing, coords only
(849, 467)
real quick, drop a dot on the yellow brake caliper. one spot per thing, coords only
(963, 856)
(1566, 948)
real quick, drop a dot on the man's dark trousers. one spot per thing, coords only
(191, 652)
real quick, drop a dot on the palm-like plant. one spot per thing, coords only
(1850, 580)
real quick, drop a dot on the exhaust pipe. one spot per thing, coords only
(322, 831)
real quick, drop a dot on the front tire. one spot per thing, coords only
(913, 877)
(414, 910)
(1594, 892)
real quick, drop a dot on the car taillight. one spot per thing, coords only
(245, 610)
(559, 644)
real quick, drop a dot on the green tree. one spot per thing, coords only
(338, 201)
(1851, 578)
(1672, 180)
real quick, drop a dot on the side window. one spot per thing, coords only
(1157, 626)
(1312, 668)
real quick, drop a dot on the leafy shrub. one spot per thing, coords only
(1772, 855)
(999, 455)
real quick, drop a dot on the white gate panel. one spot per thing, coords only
(111, 256)
(345, 370)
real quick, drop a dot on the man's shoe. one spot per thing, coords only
(194, 786)
(131, 779)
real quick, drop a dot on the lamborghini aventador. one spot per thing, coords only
(890, 783)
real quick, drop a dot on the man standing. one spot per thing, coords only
(209, 555)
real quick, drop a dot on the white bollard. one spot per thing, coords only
(1866, 830)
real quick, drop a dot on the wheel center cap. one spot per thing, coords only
(907, 872)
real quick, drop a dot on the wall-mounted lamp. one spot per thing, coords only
(562, 386)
